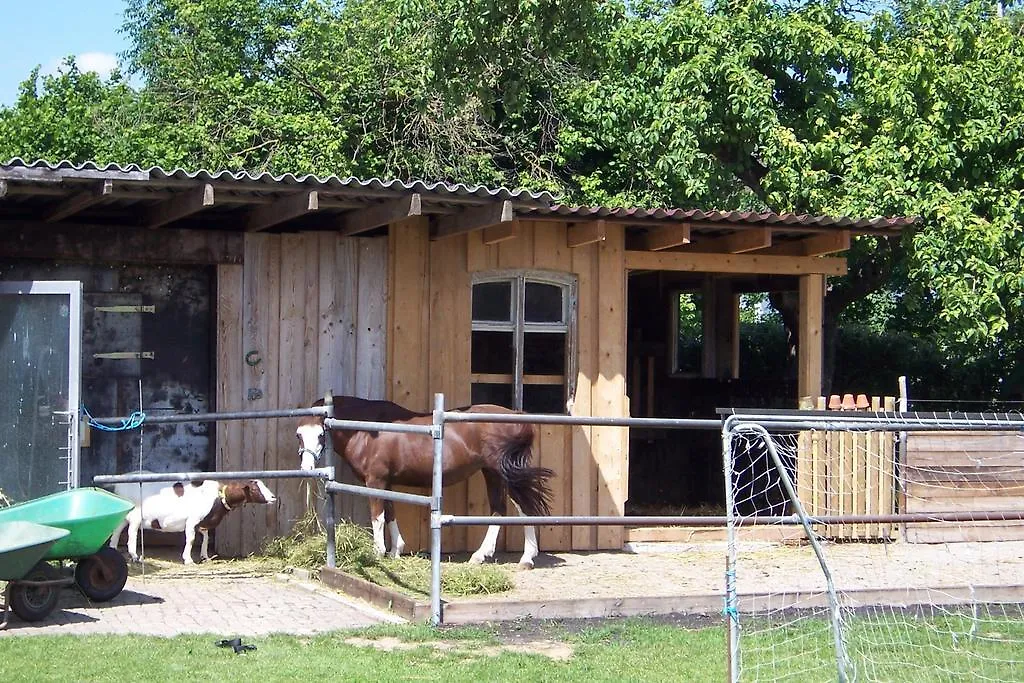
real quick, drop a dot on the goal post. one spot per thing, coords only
(850, 602)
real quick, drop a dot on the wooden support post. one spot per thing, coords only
(727, 330)
(809, 344)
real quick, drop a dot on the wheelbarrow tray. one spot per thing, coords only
(22, 545)
(89, 514)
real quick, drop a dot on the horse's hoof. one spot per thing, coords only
(477, 559)
(525, 566)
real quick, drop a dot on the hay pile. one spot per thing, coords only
(306, 547)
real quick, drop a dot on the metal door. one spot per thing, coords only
(40, 348)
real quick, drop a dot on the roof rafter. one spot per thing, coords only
(283, 210)
(476, 218)
(79, 202)
(178, 207)
(383, 213)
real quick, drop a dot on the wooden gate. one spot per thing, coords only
(848, 473)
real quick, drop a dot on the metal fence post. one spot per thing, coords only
(435, 512)
(332, 558)
(330, 512)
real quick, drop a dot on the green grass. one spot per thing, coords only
(626, 650)
(632, 651)
(306, 547)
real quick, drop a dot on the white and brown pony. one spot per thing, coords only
(503, 452)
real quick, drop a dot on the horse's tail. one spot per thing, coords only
(527, 485)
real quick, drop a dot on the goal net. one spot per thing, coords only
(916, 569)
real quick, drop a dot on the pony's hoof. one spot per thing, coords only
(526, 566)
(477, 559)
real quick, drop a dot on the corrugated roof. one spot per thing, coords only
(752, 217)
(439, 195)
(88, 169)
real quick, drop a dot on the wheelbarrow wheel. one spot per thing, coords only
(102, 576)
(34, 603)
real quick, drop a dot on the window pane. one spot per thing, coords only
(544, 353)
(493, 352)
(492, 301)
(543, 398)
(499, 394)
(543, 303)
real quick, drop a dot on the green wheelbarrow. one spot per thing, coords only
(29, 590)
(87, 516)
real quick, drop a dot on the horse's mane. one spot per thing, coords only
(372, 410)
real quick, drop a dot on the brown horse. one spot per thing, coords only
(501, 451)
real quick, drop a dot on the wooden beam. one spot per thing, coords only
(178, 207)
(118, 244)
(475, 218)
(666, 237)
(737, 242)
(580, 234)
(817, 245)
(3, 189)
(79, 202)
(501, 233)
(283, 210)
(734, 263)
(809, 336)
(384, 213)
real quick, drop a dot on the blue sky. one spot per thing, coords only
(43, 32)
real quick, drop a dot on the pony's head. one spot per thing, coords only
(311, 436)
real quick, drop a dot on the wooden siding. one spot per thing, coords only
(961, 472)
(313, 309)
(429, 351)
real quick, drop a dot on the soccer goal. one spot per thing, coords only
(903, 552)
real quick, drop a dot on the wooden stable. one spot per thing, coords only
(365, 288)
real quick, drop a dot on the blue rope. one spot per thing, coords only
(133, 421)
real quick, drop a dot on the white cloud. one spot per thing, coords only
(100, 62)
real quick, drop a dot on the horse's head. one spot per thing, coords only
(311, 436)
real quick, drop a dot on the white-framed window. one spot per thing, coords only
(523, 339)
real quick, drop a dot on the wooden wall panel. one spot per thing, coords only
(371, 348)
(296, 302)
(479, 257)
(584, 466)
(408, 343)
(609, 392)
(230, 394)
(261, 286)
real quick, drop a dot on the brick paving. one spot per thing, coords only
(225, 605)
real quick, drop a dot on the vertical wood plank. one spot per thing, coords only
(609, 387)
(408, 342)
(819, 450)
(858, 467)
(887, 472)
(229, 391)
(805, 463)
(874, 468)
(291, 354)
(478, 259)
(449, 354)
(371, 319)
(347, 297)
(262, 305)
(584, 466)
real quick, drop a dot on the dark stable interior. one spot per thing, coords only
(674, 472)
